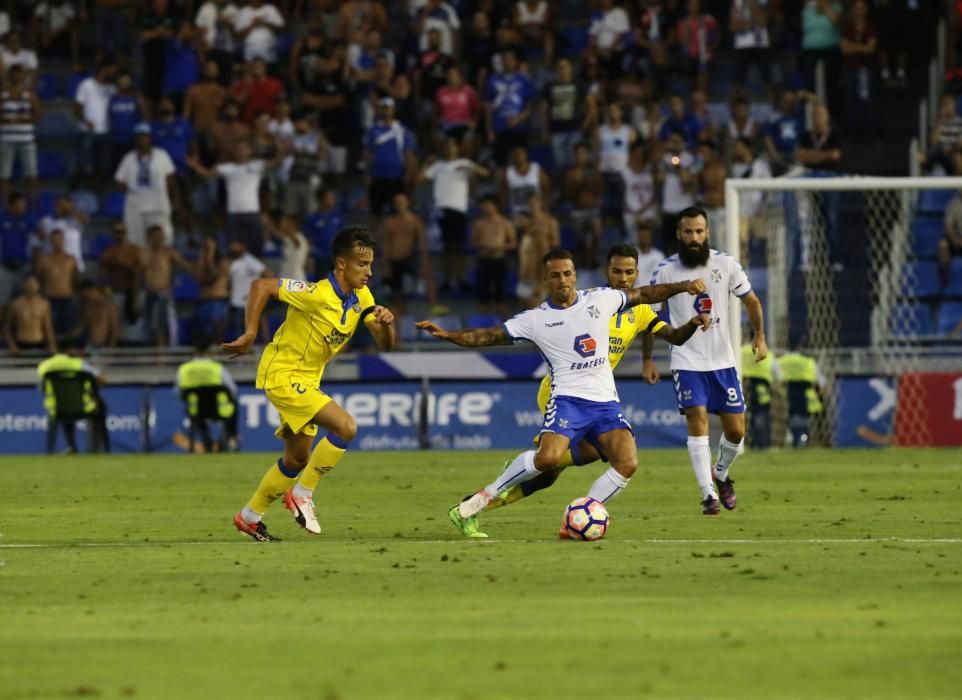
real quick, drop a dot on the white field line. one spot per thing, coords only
(653, 541)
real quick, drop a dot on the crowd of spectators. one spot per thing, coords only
(471, 135)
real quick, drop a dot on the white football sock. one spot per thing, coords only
(302, 493)
(250, 516)
(727, 452)
(700, 452)
(519, 470)
(607, 486)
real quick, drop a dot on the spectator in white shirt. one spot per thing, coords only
(14, 54)
(295, 248)
(67, 220)
(54, 29)
(92, 108)
(746, 165)
(607, 33)
(215, 19)
(257, 25)
(452, 178)
(648, 255)
(244, 269)
(440, 16)
(146, 174)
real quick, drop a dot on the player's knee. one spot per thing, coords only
(347, 429)
(735, 435)
(547, 460)
(627, 468)
(295, 460)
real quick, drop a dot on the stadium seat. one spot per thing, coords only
(483, 321)
(45, 202)
(912, 320)
(112, 205)
(920, 280)
(934, 201)
(954, 286)
(70, 88)
(51, 165)
(185, 287)
(56, 125)
(950, 314)
(926, 234)
(48, 86)
(98, 245)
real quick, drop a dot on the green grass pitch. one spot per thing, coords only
(838, 576)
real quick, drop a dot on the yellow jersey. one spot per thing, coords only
(320, 319)
(622, 330)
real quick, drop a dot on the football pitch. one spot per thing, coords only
(838, 576)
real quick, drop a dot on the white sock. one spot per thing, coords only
(250, 516)
(700, 452)
(302, 493)
(519, 470)
(607, 486)
(727, 452)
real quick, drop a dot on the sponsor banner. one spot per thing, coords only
(929, 411)
(866, 410)
(460, 415)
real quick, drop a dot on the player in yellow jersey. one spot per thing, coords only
(321, 318)
(621, 271)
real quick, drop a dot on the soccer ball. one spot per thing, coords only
(585, 519)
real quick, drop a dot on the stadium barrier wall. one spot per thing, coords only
(460, 415)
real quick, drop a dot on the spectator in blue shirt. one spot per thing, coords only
(16, 226)
(181, 62)
(390, 158)
(125, 111)
(172, 133)
(680, 119)
(507, 104)
(784, 129)
(320, 228)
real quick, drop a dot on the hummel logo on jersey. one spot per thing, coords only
(554, 325)
(593, 311)
(716, 276)
(585, 345)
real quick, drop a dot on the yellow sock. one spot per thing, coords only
(327, 453)
(275, 484)
(513, 494)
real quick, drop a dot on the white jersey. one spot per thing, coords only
(574, 342)
(712, 349)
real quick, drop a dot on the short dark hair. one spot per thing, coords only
(741, 100)
(622, 250)
(15, 197)
(489, 197)
(349, 238)
(556, 254)
(201, 341)
(691, 213)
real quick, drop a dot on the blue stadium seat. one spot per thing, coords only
(45, 202)
(483, 321)
(51, 165)
(48, 86)
(543, 155)
(56, 125)
(185, 287)
(112, 205)
(926, 234)
(950, 314)
(954, 286)
(921, 279)
(70, 88)
(912, 320)
(98, 245)
(934, 201)
(184, 330)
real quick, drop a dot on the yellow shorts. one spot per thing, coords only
(297, 407)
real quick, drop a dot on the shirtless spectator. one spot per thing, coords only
(101, 322)
(122, 266)
(544, 223)
(583, 186)
(493, 236)
(538, 233)
(28, 324)
(57, 272)
(406, 251)
(159, 260)
(213, 299)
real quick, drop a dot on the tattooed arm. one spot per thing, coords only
(469, 337)
(654, 293)
(680, 335)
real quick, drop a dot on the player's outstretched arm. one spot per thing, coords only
(468, 337)
(262, 290)
(654, 293)
(753, 305)
(380, 322)
(680, 335)
(649, 370)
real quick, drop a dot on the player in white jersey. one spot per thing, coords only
(704, 367)
(571, 331)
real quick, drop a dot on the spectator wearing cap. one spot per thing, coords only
(92, 107)
(508, 102)
(390, 158)
(19, 110)
(256, 91)
(146, 175)
(257, 25)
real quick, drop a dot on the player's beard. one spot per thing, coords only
(694, 255)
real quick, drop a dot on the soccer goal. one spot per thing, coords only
(847, 270)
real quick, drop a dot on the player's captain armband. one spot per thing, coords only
(296, 285)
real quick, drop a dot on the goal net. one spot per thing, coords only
(847, 271)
